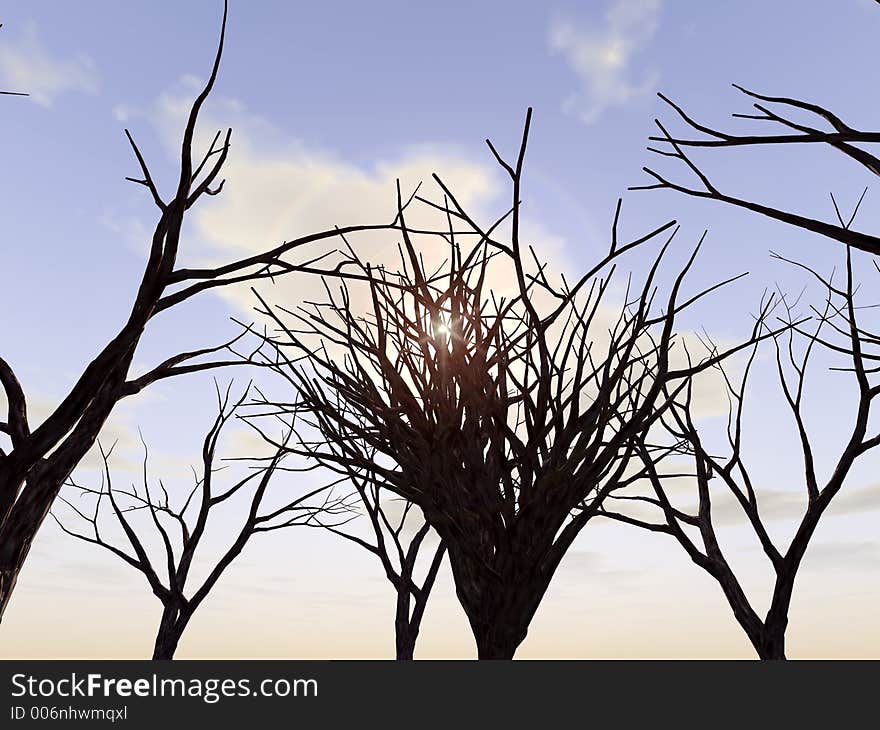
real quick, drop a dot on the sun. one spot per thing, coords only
(442, 331)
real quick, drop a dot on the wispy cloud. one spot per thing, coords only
(602, 58)
(838, 555)
(775, 505)
(280, 187)
(124, 112)
(596, 565)
(26, 65)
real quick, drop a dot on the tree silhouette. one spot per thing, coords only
(398, 534)
(775, 109)
(506, 417)
(42, 458)
(176, 524)
(837, 331)
(397, 541)
(801, 123)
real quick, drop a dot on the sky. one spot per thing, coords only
(330, 103)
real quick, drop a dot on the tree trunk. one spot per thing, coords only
(405, 642)
(18, 531)
(772, 641)
(8, 578)
(500, 601)
(165, 646)
(767, 636)
(11, 560)
(499, 640)
(170, 630)
(406, 628)
(771, 645)
(29, 487)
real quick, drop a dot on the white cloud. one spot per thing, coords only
(120, 429)
(279, 188)
(131, 230)
(27, 66)
(843, 556)
(602, 57)
(123, 112)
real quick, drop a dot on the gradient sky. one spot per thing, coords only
(330, 101)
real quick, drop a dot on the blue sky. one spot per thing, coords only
(366, 81)
(355, 91)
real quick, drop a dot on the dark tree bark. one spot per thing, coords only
(499, 617)
(397, 553)
(39, 462)
(171, 628)
(824, 128)
(405, 634)
(178, 525)
(838, 318)
(507, 418)
(412, 599)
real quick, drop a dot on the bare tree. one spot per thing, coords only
(837, 331)
(825, 128)
(41, 459)
(399, 537)
(507, 419)
(807, 123)
(176, 524)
